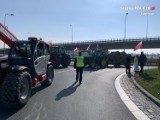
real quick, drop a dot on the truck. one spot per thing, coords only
(26, 66)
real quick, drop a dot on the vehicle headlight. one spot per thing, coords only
(4, 65)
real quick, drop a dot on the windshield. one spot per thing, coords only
(21, 50)
(54, 50)
(60, 50)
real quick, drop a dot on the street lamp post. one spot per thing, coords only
(125, 29)
(5, 16)
(71, 32)
(147, 28)
(29, 34)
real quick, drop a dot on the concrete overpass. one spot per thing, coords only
(151, 42)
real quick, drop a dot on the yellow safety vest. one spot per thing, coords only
(80, 61)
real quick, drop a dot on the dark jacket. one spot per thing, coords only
(142, 59)
(128, 61)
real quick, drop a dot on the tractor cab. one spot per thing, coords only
(33, 54)
(58, 50)
(59, 56)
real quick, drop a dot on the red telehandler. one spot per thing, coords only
(26, 65)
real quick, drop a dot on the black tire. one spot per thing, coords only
(16, 89)
(115, 65)
(86, 61)
(107, 62)
(56, 61)
(0, 94)
(50, 76)
(103, 62)
(92, 63)
(66, 60)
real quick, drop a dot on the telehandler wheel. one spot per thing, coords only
(16, 89)
(50, 76)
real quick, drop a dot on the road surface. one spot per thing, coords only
(95, 99)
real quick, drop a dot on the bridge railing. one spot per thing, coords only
(110, 41)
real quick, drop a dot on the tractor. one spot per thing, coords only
(95, 58)
(59, 57)
(26, 66)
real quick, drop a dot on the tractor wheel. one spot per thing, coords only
(86, 61)
(16, 89)
(56, 61)
(92, 63)
(50, 76)
(107, 63)
(103, 62)
(66, 61)
(116, 65)
(0, 94)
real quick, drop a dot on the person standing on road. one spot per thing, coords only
(128, 62)
(136, 67)
(79, 65)
(142, 59)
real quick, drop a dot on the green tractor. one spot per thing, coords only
(59, 57)
(95, 58)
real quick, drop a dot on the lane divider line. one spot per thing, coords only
(64, 71)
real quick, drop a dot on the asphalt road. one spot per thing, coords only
(95, 99)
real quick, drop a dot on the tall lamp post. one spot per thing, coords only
(29, 34)
(71, 32)
(5, 16)
(125, 30)
(147, 28)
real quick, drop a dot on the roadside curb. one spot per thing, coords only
(128, 102)
(151, 97)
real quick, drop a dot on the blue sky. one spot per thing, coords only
(91, 19)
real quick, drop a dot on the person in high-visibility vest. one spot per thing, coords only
(79, 65)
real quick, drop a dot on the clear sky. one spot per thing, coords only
(91, 19)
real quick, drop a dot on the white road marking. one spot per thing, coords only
(64, 71)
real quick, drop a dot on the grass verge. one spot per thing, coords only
(150, 81)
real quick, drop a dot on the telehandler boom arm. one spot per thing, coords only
(6, 36)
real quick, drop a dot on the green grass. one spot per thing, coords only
(150, 81)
